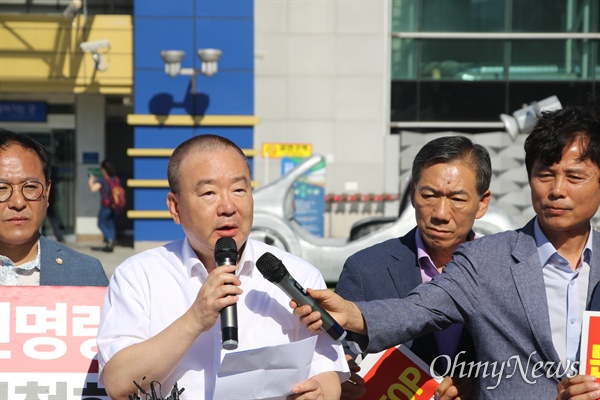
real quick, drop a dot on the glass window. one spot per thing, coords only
(405, 15)
(461, 101)
(404, 101)
(555, 16)
(448, 16)
(495, 16)
(404, 58)
(469, 60)
(569, 93)
(551, 60)
(463, 15)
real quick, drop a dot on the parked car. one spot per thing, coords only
(274, 224)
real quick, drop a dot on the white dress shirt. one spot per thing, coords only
(152, 289)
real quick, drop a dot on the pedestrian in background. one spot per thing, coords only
(106, 214)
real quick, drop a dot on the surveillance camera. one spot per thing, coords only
(95, 45)
(172, 59)
(209, 58)
(209, 55)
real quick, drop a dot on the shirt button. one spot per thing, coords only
(572, 320)
(572, 283)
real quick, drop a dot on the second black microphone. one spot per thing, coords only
(275, 272)
(226, 254)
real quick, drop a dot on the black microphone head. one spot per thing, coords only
(271, 267)
(225, 248)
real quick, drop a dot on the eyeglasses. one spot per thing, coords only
(32, 190)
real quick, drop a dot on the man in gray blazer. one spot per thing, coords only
(521, 294)
(26, 257)
(449, 190)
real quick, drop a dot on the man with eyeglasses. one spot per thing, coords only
(26, 257)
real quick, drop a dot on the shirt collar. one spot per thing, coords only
(191, 261)
(546, 250)
(195, 267)
(8, 269)
(248, 261)
(423, 258)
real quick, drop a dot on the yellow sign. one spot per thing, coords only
(278, 150)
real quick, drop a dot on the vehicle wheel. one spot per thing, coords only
(269, 237)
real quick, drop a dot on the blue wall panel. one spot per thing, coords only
(187, 25)
(150, 198)
(235, 38)
(158, 137)
(157, 230)
(227, 93)
(164, 8)
(230, 8)
(240, 135)
(158, 93)
(150, 167)
(153, 35)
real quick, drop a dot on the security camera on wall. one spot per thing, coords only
(95, 45)
(100, 62)
(172, 59)
(209, 58)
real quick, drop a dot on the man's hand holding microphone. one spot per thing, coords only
(344, 312)
(220, 291)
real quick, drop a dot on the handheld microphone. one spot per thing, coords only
(275, 272)
(226, 254)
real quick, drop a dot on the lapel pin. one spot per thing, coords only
(59, 261)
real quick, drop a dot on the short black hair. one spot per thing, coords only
(448, 149)
(109, 168)
(9, 138)
(555, 130)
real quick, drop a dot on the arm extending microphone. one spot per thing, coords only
(226, 254)
(275, 272)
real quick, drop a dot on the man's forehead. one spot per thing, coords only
(208, 156)
(29, 161)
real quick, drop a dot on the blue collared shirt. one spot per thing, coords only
(566, 293)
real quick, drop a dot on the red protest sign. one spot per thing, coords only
(396, 374)
(48, 342)
(590, 345)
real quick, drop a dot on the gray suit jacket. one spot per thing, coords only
(595, 302)
(63, 266)
(390, 269)
(494, 286)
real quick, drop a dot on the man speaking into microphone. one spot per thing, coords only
(167, 314)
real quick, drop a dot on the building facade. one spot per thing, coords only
(458, 64)
(358, 81)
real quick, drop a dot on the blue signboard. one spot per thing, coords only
(23, 111)
(309, 196)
